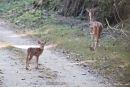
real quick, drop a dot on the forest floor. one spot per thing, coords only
(54, 70)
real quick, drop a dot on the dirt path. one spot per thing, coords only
(54, 70)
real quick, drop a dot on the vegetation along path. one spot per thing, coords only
(54, 70)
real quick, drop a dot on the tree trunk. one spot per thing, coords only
(72, 7)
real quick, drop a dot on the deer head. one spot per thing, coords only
(42, 44)
(91, 13)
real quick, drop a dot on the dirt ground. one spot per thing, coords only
(54, 70)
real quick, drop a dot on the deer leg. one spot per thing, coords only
(37, 62)
(92, 39)
(27, 63)
(29, 59)
(96, 43)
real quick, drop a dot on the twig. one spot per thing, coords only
(37, 6)
(116, 10)
(122, 31)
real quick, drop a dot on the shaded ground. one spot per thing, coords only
(54, 70)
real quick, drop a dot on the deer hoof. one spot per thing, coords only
(36, 67)
(27, 69)
(91, 48)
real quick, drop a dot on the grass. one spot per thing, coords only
(4, 44)
(15, 52)
(111, 57)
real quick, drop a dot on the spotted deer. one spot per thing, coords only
(34, 52)
(95, 29)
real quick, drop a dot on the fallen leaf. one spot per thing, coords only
(16, 63)
(63, 68)
(23, 63)
(48, 69)
(2, 76)
(23, 79)
(40, 77)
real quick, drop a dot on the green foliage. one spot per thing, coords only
(47, 4)
(49, 1)
(87, 2)
(6, 7)
(105, 6)
(104, 1)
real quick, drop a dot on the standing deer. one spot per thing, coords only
(95, 28)
(34, 52)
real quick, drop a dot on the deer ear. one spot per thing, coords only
(45, 42)
(87, 9)
(39, 42)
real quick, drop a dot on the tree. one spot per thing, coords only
(72, 7)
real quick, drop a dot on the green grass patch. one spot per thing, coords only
(4, 44)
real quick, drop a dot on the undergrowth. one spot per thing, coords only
(111, 57)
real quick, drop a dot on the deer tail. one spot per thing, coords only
(99, 31)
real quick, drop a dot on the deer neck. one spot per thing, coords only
(91, 19)
(42, 48)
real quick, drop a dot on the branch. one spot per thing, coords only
(117, 11)
(122, 31)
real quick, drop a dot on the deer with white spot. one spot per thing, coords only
(95, 28)
(34, 52)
